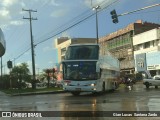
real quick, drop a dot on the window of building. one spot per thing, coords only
(157, 42)
(135, 48)
(63, 51)
(147, 45)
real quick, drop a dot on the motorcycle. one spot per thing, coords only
(129, 84)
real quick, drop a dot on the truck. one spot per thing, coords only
(153, 81)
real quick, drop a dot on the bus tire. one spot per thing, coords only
(75, 93)
(156, 87)
(103, 87)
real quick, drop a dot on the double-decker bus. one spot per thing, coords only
(85, 71)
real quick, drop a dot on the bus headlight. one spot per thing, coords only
(93, 84)
(65, 84)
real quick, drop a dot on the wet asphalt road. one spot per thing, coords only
(123, 99)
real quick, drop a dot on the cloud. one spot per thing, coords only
(8, 3)
(18, 22)
(47, 48)
(9, 11)
(92, 3)
(4, 12)
(59, 13)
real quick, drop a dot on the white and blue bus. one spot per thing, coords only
(85, 71)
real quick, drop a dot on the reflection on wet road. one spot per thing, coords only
(123, 99)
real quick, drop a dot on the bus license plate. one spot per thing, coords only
(78, 89)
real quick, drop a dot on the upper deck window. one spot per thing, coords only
(82, 52)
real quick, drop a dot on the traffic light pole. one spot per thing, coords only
(96, 9)
(139, 9)
(115, 16)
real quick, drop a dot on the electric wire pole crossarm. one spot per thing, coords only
(32, 44)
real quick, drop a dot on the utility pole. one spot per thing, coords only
(32, 45)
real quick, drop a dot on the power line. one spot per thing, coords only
(77, 22)
(68, 26)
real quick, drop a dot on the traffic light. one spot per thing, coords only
(114, 16)
(9, 64)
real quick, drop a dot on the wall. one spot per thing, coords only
(146, 36)
(153, 61)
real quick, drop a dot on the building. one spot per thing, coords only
(63, 42)
(147, 51)
(120, 43)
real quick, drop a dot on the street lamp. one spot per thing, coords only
(96, 9)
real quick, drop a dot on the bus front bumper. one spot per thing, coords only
(80, 88)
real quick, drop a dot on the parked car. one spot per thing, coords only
(155, 81)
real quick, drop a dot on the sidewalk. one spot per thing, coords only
(32, 93)
(39, 93)
(2, 93)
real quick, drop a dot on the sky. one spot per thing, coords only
(53, 19)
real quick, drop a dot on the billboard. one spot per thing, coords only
(140, 62)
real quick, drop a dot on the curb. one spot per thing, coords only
(38, 93)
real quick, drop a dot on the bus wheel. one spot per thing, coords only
(75, 93)
(103, 87)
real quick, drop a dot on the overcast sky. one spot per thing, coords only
(55, 15)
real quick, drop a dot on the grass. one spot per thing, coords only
(28, 90)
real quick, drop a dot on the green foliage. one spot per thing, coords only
(17, 77)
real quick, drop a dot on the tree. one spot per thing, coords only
(19, 73)
(48, 74)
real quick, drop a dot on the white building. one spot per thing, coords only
(147, 51)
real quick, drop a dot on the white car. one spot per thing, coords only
(155, 81)
(59, 83)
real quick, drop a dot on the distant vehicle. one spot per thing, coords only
(85, 71)
(2, 44)
(155, 81)
(59, 83)
(40, 85)
(28, 85)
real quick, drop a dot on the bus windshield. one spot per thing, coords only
(79, 70)
(82, 52)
